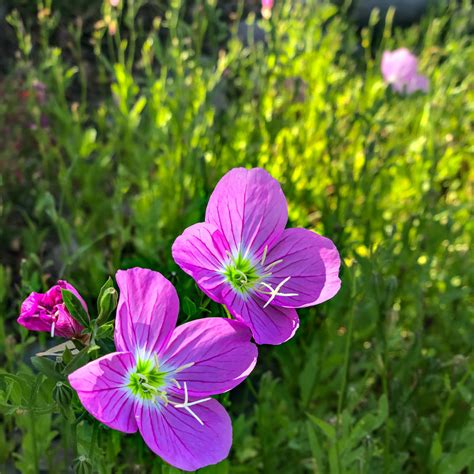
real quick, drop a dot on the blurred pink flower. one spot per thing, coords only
(114, 3)
(400, 70)
(267, 6)
(47, 312)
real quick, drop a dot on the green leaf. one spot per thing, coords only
(46, 367)
(79, 360)
(325, 427)
(316, 450)
(75, 308)
(189, 307)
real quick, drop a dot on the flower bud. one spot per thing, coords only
(82, 465)
(47, 312)
(62, 395)
(107, 303)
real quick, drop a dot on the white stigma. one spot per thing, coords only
(55, 318)
(274, 292)
(188, 404)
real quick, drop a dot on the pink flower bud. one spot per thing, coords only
(267, 6)
(47, 312)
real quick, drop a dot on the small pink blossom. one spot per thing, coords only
(114, 3)
(47, 312)
(267, 6)
(400, 70)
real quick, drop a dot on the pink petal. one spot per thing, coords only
(31, 317)
(249, 207)
(398, 67)
(418, 83)
(178, 438)
(200, 251)
(270, 325)
(220, 349)
(311, 261)
(101, 387)
(147, 310)
(66, 326)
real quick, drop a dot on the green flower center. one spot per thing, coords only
(147, 381)
(241, 273)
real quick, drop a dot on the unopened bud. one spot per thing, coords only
(82, 465)
(62, 395)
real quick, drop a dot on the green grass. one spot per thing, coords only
(142, 124)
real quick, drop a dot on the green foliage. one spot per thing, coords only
(140, 116)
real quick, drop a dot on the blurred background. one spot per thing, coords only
(118, 117)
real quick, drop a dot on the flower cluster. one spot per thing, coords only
(161, 379)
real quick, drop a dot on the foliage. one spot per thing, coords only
(141, 114)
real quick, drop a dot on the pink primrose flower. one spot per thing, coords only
(243, 257)
(161, 379)
(400, 70)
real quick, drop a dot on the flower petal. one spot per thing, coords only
(147, 310)
(311, 261)
(418, 83)
(66, 326)
(270, 325)
(101, 387)
(30, 316)
(250, 209)
(177, 437)
(220, 350)
(398, 67)
(201, 251)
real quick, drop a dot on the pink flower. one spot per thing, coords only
(114, 3)
(47, 312)
(267, 6)
(243, 257)
(160, 380)
(400, 70)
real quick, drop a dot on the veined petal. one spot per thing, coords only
(101, 387)
(270, 325)
(219, 350)
(312, 264)
(249, 207)
(177, 437)
(201, 252)
(147, 311)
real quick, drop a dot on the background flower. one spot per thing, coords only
(400, 70)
